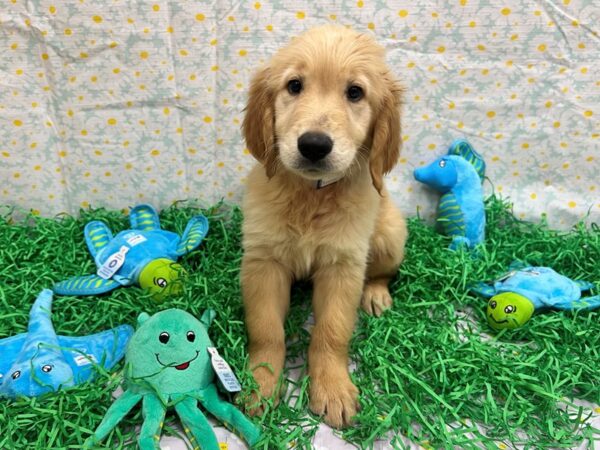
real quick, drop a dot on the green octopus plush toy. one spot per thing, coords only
(168, 364)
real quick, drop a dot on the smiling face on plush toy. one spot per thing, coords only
(508, 310)
(169, 351)
(49, 374)
(161, 277)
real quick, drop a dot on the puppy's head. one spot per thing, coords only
(324, 103)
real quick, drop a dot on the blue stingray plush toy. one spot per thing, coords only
(145, 255)
(39, 361)
(458, 177)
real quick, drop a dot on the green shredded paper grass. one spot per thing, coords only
(430, 369)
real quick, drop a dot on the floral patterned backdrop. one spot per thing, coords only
(115, 102)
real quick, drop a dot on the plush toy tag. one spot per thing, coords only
(136, 239)
(113, 263)
(224, 372)
(82, 360)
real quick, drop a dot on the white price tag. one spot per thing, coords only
(113, 263)
(82, 360)
(223, 371)
(136, 239)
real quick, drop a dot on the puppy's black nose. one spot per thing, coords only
(314, 146)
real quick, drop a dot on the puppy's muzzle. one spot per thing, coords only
(314, 146)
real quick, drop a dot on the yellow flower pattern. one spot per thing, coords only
(107, 104)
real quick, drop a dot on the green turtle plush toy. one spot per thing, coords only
(169, 363)
(514, 297)
(144, 254)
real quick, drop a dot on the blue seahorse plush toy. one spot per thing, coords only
(458, 177)
(145, 255)
(40, 361)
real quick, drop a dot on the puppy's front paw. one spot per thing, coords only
(376, 298)
(256, 403)
(335, 398)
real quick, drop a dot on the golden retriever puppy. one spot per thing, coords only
(323, 120)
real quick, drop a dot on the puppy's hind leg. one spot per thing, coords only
(386, 252)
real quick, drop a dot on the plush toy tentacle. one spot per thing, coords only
(97, 236)
(144, 218)
(154, 414)
(202, 434)
(113, 416)
(229, 414)
(194, 233)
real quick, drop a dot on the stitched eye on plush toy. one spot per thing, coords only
(47, 368)
(16, 374)
(191, 336)
(510, 309)
(160, 282)
(493, 304)
(164, 337)
(443, 163)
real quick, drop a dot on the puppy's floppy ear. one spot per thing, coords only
(258, 126)
(385, 146)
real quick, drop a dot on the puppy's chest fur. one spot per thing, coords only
(305, 228)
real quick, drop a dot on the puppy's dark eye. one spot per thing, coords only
(294, 86)
(354, 93)
(164, 337)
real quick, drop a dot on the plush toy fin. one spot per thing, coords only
(193, 235)
(483, 289)
(461, 147)
(459, 242)
(144, 218)
(9, 348)
(517, 265)
(584, 285)
(97, 236)
(85, 285)
(106, 348)
(585, 303)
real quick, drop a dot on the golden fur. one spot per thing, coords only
(348, 237)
